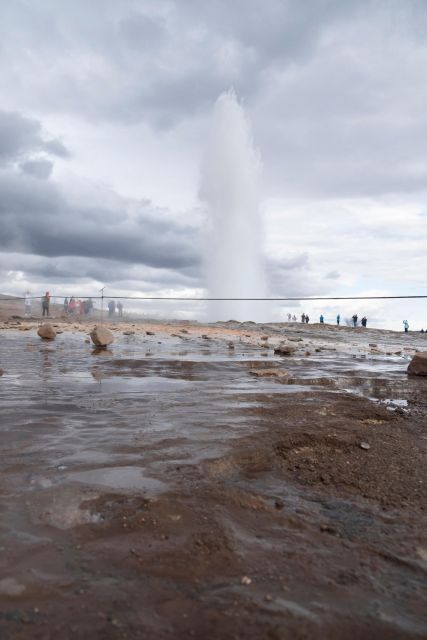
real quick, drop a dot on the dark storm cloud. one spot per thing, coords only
(36, 218)
(20, 136)
(76, 271)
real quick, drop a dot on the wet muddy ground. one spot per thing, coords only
(190, 483)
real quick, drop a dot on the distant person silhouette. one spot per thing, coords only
(406, 326)
(111, 308)
(355, 320)
(338, 319)
(27, 304)
(364, 321)
(306, 319)
(294, 318)
(65, 306)
(45, 304)
(322, 319)
(303, 317)
(289, 317)
(120, 309)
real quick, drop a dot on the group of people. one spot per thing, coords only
(112, 306)
(75, 307)
(305, 319)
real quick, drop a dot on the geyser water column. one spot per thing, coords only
(234, 236)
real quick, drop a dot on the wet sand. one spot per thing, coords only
(179, 486)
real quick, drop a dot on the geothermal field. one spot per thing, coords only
(189, 482)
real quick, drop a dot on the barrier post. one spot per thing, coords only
(102, 305)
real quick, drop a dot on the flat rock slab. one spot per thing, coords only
(101, 337)
(269, 373)
(418, 364)
(46, 331)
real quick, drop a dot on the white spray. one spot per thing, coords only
(230, 188)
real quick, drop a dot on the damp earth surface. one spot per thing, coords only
(188, 482)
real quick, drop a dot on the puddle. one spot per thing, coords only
(118, 479)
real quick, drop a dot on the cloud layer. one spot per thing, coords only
(113, 107)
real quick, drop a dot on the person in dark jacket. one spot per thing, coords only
(46, 304)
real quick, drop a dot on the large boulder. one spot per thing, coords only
(101, 337)
(418, 364)
(46, 331)
(284, 349)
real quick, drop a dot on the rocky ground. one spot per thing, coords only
(188, 481)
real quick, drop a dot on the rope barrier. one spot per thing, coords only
(203, 299)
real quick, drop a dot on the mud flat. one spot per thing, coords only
(188, 482)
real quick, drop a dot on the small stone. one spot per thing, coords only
(418, 364)
(365, 445)
(246, 580)
(327, 528)
(150, 333)
(46, 331)
(284, 349)
(101, 337)
(128, 333)
(278, 503)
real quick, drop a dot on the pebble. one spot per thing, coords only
(246, 580)
(365, 445)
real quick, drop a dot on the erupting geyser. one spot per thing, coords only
(230, 188)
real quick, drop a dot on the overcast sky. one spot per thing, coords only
(105, 107)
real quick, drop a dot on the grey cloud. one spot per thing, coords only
(37, 218)
(20, 136)
(333, 275)
(293, 277)
(131, 58)
(335, 89)
(37, 168)
(76, 271)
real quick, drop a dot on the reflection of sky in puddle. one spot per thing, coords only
(118, 478)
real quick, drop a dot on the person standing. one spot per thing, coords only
(66, 306)
(120, 309)
(111, 308)
(46, 304)
(406, 326)
(289, 317)
(322, 319)
(306, 319)
(364, 321)
(338, 319)
(303, 318)
(27, 303)
(355, 320)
